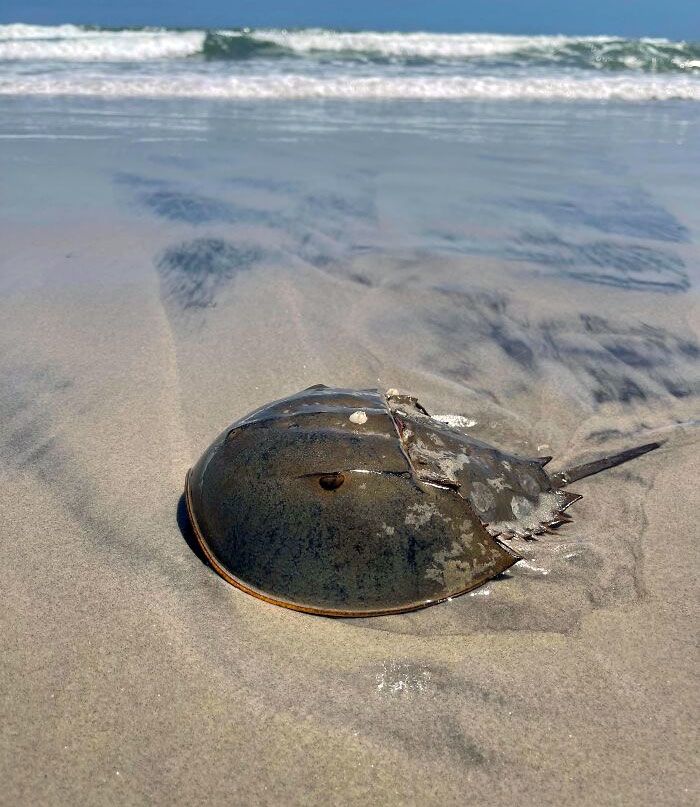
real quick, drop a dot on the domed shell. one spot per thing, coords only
(312, 503)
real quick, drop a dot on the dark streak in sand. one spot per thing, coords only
(191, 208)
(615, 362)
(626, 266)
(195, 271)
(622, 211)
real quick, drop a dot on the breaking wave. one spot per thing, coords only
(20, 42)
(315, 63)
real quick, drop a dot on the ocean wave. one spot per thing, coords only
(71, 43)
(221, 45)
(19, 42)
(598, 52)
(294, 86)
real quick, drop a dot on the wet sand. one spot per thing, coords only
(164, 271)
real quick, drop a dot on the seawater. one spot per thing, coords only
(317, 63)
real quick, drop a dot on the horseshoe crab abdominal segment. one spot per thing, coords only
(350, 502)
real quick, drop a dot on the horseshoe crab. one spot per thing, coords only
(354, 503)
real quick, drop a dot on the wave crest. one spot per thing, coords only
(72, 43)
(19, 42)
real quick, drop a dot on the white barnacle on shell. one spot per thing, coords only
(358, 417)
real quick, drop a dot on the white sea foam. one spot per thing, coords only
(290, 86)
(20, 30)
(408, 44)
(73, 44)
(315, 63)
(19, 41)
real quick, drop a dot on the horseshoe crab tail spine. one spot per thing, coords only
(564, 478)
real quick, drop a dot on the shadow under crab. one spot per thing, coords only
(354, 503)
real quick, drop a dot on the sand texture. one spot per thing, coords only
(531, 274)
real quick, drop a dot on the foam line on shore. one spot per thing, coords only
(269, 87)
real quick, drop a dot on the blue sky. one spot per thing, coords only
(677, 19)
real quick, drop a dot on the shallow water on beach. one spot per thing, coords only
(168, 266)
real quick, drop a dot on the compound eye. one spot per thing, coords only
(331, 481)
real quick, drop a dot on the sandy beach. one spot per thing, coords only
(169, 266)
